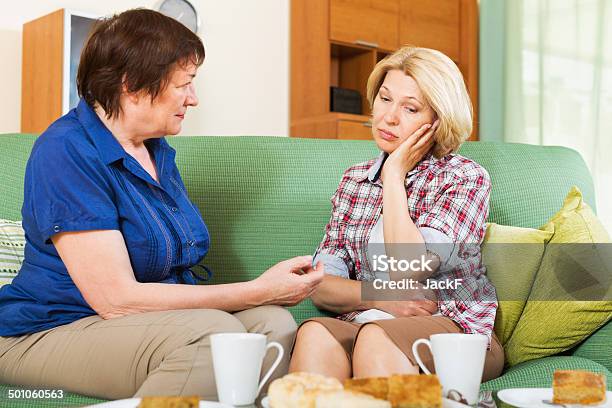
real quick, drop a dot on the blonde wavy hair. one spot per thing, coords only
(442, 86)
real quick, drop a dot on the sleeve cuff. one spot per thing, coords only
(438, 243)
(334, 265)
(74, 226)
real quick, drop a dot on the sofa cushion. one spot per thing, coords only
(512, 256)
(560, 313)
(12, 244)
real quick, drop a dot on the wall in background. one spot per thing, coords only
(243, 85)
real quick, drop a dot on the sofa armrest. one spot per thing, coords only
(538, 373)
(597, 347)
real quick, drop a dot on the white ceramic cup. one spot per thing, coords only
(237, 360)
(459, 362)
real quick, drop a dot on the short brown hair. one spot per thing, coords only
(137, 49)
(442, 85)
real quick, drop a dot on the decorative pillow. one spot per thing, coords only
(563, 308)
(12, 244)
(512, 256)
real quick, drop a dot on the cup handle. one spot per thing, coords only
(281, 352)
(415, 346)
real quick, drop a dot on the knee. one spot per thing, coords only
(314, 335)
(275, 322)
(376, 355)
(371, 333)
(370, 340)
(203, 322)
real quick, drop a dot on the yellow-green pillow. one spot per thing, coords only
(512, 256)
(548, 327)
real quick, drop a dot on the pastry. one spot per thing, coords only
(349, 399)
(578, 387)
(415, 391)
(377, 387)
(169, 402)
(299, 390)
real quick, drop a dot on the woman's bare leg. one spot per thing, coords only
(375, 355)
(317, 351)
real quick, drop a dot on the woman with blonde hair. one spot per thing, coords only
(420, 195)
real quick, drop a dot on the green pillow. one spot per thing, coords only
(12, 243)
(512, 256)
(548, 327)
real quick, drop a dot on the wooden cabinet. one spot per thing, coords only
(341, 125)
(338, 43)
(354, 129)
(450, 26)
(350, 68)
(51, 49)
(432, 24)
(372, 23)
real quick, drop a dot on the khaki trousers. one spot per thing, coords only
(147, 354)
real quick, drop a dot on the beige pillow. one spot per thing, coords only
(512, 256)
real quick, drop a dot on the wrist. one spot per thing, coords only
(256, 293)
(368, 304)
(393, 178)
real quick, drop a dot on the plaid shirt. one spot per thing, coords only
(448, 200)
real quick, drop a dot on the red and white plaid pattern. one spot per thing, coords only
(450, 195)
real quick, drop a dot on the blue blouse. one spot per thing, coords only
(79, 178)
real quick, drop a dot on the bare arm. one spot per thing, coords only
(398, 227)
(99, 265)
(341, 295)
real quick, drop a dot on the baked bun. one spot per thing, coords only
(349, 399)
(299, 390)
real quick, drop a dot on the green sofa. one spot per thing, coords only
(265, 199)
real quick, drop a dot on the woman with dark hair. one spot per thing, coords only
(106, 303)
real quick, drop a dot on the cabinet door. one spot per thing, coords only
(348, 129)
(431, 24)
(366, 22)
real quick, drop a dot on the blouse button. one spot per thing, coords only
(56, 228)
(191, 243)
(174, 209)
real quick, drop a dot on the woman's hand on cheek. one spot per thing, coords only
(409, 153)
